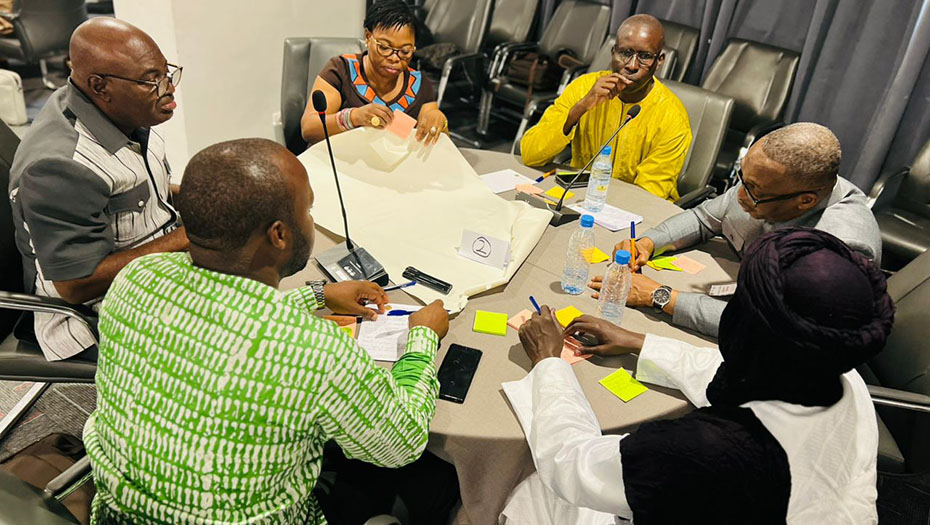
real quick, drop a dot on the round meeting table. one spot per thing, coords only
(482, 436)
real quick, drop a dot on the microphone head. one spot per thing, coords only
(319, 102)
(631, 114)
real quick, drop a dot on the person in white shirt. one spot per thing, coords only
(784, 429)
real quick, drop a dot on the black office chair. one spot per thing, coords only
(684, 40)
(21, 359)
(576, 25)
(41, 29)
(759, 78)
(709, 114)
(304, 58)
(900, 200)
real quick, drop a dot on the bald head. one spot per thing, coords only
(233, 189)
(809, 152)
(108, 45)
(645, 28)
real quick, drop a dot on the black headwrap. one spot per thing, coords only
(807, 310)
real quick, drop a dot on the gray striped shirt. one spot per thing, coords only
(80, 190)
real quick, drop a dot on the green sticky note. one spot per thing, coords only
(490, 323)
(623, 385)
(665, 263)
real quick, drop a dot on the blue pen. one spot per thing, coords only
(632, 229)
(535, 304)
(398, 313)
(399, 286)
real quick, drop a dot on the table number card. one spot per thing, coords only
(485, 249)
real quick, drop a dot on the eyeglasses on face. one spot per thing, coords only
(624, 54)
(757, 202)
(159, 85)
(403, 53)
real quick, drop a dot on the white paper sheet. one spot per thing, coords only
(408, 207)
(385, 338)
(504, 180)
(609, 217)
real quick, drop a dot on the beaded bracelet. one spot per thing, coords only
(344, 117)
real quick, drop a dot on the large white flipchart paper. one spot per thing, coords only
(408, 205)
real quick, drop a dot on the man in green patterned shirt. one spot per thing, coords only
(215, 391)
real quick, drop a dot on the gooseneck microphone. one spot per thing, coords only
(319, 105)
(560, 216)
(345, 261)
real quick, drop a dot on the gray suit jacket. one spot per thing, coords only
(845, 214)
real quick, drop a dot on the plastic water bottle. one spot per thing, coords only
(615, 289)
(601, 173)
(575, 273)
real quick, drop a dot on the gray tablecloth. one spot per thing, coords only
(482, 437)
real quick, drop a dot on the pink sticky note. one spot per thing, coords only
(401, 125)
(568, 349)
(528, 188)
(689, 265)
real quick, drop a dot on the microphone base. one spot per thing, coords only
(559, 217)
(341, 264)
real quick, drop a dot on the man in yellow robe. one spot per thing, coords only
(651, 149)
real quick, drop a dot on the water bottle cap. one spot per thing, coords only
(622, 257)
(587, 221)
(606, 150)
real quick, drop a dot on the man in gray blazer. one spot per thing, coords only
(788, 178)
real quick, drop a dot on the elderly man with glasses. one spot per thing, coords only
(788, 178)
(89, 184)
(651, 150)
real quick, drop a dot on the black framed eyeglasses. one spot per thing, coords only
(756, 202)
(159, 86)
(645, 58)
(403, 53)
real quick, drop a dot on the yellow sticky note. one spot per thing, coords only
(665, 263)
(490, 323)
(567, 315)
(623, 385)
(556, 193)
(595, 255)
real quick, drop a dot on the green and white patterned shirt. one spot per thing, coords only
(216, 393)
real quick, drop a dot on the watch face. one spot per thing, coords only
(661, 296)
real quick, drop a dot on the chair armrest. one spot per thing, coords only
(502, 54)
(61, 486)
(694, 197)
(761, 129)
(886, 188)
(899, 399)
(50, 305)
(453, 61)
(571, 73)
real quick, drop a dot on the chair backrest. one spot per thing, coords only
(709, 114)
(758, 77)
(304, 58)
(684, 40)
(602, 59)
(11, 262)
(460, 23)
(44, 27)
(511, 21)
(904, 363)
(577, 25)
(914, 194)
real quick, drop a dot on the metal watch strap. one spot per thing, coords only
(317, 288)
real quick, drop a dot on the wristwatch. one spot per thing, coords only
(317, 288)
(660, 297)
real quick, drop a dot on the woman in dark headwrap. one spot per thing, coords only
(785, 430)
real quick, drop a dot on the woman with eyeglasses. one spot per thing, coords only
(365, 89)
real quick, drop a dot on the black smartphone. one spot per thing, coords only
(456, 372)
(581, 182)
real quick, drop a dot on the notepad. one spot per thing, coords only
(623, 385)
(505, 180)
(556, 193)
(595, 256)
(490, 323)
(568, 347)
(402, 124)
(689, 265)
(567, 315)
(528, 188)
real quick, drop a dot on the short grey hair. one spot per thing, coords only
(810, 152)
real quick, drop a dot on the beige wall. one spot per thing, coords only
(231, 52)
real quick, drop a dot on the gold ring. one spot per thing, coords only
(433, 130)
(376, 121)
